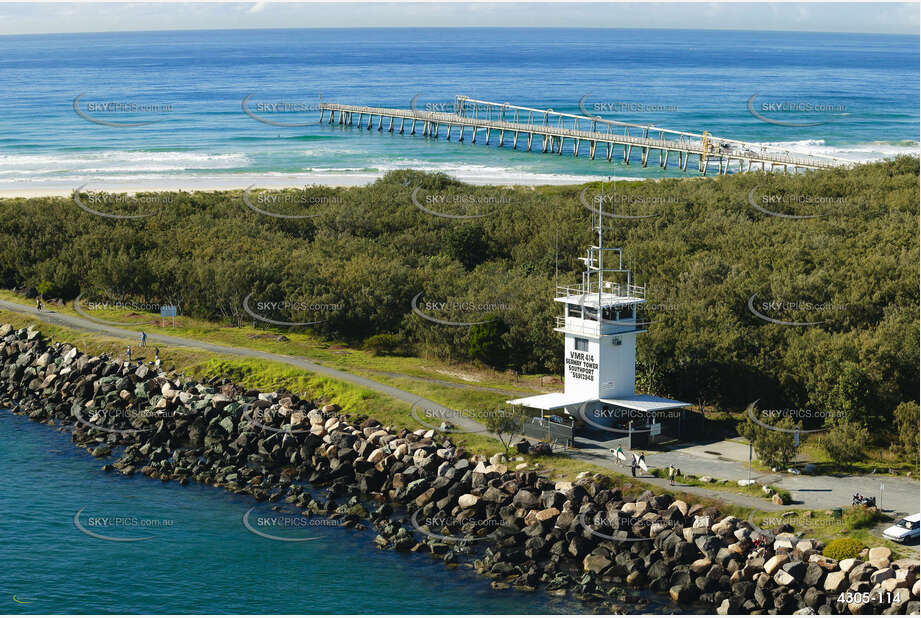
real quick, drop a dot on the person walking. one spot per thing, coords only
(143, 339)
(633, 468)
(671, 474)
(129, 353)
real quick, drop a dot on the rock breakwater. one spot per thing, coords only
(421, 492)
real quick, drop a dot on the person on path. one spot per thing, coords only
(671, 474)
(143, 339)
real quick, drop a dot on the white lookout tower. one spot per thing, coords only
(599, 324)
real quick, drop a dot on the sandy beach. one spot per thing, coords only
(239, 182)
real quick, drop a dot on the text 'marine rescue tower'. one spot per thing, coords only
(600, 327)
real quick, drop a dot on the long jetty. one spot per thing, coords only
(555, 129)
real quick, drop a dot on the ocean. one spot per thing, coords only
(854, 96)
(197, 555)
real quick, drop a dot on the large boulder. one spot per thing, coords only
(729, 607)
(596, 563)
(783, 578)
(468, 501)
(814, 575)
(836, 582)
(861, 572)
(796, 568)
(681, 506)
(880, 556)
(847, 564)
(879, 576)
(526, 499)
(683, 593)
(774, 564)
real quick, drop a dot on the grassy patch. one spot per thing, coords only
(719, 485)
(856, 522)
(295, 343)
(269, 376)
(877, 459)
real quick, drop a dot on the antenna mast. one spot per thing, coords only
(556, 259)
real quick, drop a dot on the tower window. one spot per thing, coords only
(573, 311)
(610, 314)
(581, 345)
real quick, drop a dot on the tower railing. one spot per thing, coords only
(623, 290)
(594, 329)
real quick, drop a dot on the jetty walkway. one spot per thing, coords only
(557, 132)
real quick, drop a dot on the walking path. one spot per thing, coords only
(900, 494)
(729, 460)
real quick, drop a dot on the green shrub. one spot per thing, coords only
(785, 496)
(46, 289)
(486, 342)
(906, 418)
(386, 344)
(842, 548)
(774, 448)
(862, 517)
(845, 442)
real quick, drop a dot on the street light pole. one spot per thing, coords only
(750, 449)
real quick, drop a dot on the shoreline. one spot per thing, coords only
(298, 181)
(588, 539)
(63, 186)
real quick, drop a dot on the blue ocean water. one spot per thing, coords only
(863, 89)
(201, 558)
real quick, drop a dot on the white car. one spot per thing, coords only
(905, 529)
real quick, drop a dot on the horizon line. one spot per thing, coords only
(224, 29)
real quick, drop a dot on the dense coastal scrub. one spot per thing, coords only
(746, 301)
(590, 538)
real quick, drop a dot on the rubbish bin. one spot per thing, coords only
(836, 513)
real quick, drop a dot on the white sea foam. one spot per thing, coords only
(119, 161)
(174, 168)
(485, 174)
(866, 151)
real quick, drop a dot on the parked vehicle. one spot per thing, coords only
(905, 529)
(863, 500)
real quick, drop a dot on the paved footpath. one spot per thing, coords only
(900, 495)
(729, 460)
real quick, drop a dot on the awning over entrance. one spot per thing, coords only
(639, 402)
(550, 401)
(646, 403)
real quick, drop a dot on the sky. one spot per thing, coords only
(884, 18)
